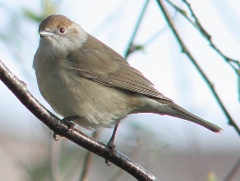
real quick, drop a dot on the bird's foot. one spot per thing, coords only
(112, 147)
(69, 122)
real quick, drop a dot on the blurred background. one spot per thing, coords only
(170, 148)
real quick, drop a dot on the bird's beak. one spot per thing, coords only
(45, 33)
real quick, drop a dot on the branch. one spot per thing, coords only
(199, 69)
(233, 171)
(199, 26)
(131, 47)
(19, 89)
(88, 160)
(234, 64)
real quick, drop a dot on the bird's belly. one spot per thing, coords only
(97, 105)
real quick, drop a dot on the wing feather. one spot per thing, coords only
(111, 71)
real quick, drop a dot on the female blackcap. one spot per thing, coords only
(80, 76)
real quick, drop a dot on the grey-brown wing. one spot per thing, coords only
(111, 71)
(129, 78)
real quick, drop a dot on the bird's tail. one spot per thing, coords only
(184, 114)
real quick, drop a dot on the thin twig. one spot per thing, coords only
(234, 64)
(183, 13)
(88, 160)
(19, 89)
(155, 36)
(202, 73)
(208, 36)
(233, 171)
(196, 24)
(131, 47)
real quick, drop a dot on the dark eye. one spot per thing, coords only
(62, 30)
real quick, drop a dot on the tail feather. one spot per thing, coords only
(184, 114)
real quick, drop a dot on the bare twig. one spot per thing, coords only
(131, 47)
(202, 73)
(208, 36)
(196, 24)
(233, 171)
(19, 89)
(234, 64)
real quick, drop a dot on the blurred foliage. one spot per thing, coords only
(48, 7)
(212, 177)
(68, 164)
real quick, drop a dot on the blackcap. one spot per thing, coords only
(81, 77)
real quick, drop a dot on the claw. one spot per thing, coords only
(112, 148)
(67, 121)
(55, 136)
(108, 163)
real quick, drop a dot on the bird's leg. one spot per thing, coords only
(69, 122)
(110, 143)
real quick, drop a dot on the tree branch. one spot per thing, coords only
(229, 60)
(196, 24)
(234, 64)
(199, 69)
(131, 46)
(88, 160)
(19, 89)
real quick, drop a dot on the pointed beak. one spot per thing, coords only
(45, 33)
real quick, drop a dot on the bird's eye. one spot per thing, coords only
(62, 30)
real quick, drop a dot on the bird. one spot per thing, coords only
(90, 84)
